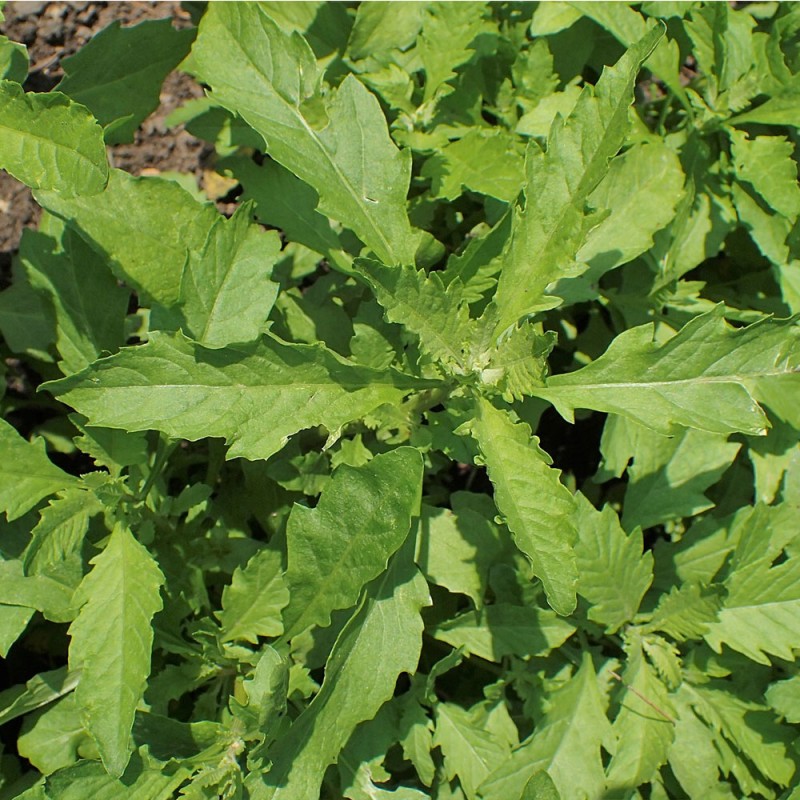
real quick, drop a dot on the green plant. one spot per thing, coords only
(294, 505)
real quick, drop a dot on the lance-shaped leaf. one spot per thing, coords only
(112, 639)
(254, 395)
(270, 79)
(252, 603)
(704, 377)
(26, 473)
(551, 229)
(362, 518)
(53, 598)
(538, 509)
(118, 74)
(435, 313)
(566, 744)
(47, 141)
(604, 549)
(644, 730)
(380, 641)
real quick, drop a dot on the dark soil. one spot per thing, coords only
(53, 31)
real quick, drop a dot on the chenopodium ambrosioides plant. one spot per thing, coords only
(288, 481)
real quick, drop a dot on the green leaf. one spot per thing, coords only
(363, 517)
(422, 303)
(704, 377)
(255, 395)
(40, 690)
(644, 728)
(226, 293)
(502, 630)
(538, 509)
(13, 60)
(59, 533)
(551, 229)
(89, 779)
(604, 549)
(686, 612)
(88, 305)
(49, 142)
(641, 193)
(48, 595)
(51, 738)
(628, 27)
(252, 603)
(111, 642)
(669, 475)
(470, 751)
(286, 202)
(784, 697)
(565, 744)
(780, 109)
(143, 227)
(456, 549)
(486, 162)
(378, 29)
(356, 683)
(118, 74)
(766, 163)
(760, 615)
(447, 41)
(26, 473)
(271, 82)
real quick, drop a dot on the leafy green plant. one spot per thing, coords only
(461, 461)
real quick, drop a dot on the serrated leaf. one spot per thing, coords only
(363, 517)
(766, 163)
(60, 531)
(111, 642)
(360, 176)
(470, 752)
(565, 744)
(780, 109)
(118, 73)
(26, 473)
(252, 603)
(446, 41)
(486, 162)
(704, 377)
(549, 232)
(604, 549)
(538, 509)
(356, 684)
(669, 475)
(90, 779)
(502, 630)
(784, 697)
(255, 395)
(760, 615)
(518, 364)
(49, 142)
(437, 314)
(686, 612)
(644, 735)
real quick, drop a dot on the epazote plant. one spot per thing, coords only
(281, 517)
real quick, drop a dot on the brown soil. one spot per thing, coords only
(53, 31)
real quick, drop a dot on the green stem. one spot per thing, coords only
(163, 452)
